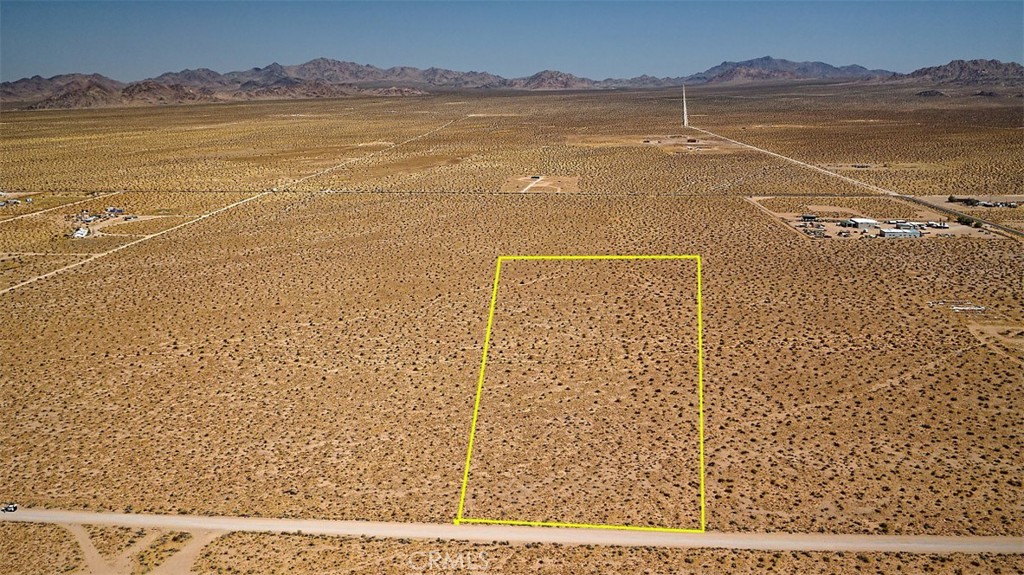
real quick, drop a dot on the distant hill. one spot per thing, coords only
(768, 68)
(38, 88)
(189, 86)
(971, 73)
(326, 78)
(553, 80)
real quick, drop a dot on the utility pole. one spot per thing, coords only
(686, 117)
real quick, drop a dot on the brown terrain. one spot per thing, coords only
(590, 413)
(314, 351)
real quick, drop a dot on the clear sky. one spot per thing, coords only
(134, 40)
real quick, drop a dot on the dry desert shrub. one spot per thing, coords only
(112, 541)
(30, 549)
(166, 545)
(16, 268)
(880, 208)
(246, 147)
(146, 227)
(590, 406)
(43, 201)
(882, 136)
(175, 203)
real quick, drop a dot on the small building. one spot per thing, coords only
(80, 233)
(859, 223)
(899, 233)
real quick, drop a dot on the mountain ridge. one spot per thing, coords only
(325, 78)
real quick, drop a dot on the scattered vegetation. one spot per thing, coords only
(30, 548)
(166, 545)
(315, 353)
(112, 541)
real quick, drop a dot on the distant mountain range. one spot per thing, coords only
(326, 78)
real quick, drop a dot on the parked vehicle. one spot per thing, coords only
(9, 507)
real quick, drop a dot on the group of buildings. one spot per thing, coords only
(85, 217)
(899, 229)
(982, 203)
(14, 202)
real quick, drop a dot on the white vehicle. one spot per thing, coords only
(9, 507)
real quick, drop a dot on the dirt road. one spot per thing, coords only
(927, 544)
(872, 187)
(99, 255)
(370, 155)
(36, 213)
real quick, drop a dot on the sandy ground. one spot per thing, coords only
(599, 424)
(209, 365)
(35, 548)
(119, 221)
(315, 355)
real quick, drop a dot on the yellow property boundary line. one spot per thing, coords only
(459, 518)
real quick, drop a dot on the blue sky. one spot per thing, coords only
(133, 40)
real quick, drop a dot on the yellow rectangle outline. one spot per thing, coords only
(459, 519)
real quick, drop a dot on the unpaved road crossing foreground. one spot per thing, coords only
(927, 544)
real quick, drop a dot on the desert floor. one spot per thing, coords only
(314, 351)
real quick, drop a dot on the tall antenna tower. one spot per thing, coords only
(686, 117)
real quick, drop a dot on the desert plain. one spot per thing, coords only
(293, 324)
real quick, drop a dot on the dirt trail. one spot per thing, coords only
(130, 244)
(291, 185)
(915, 199)
(36, 213)
(95, 564)
(928, 544)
